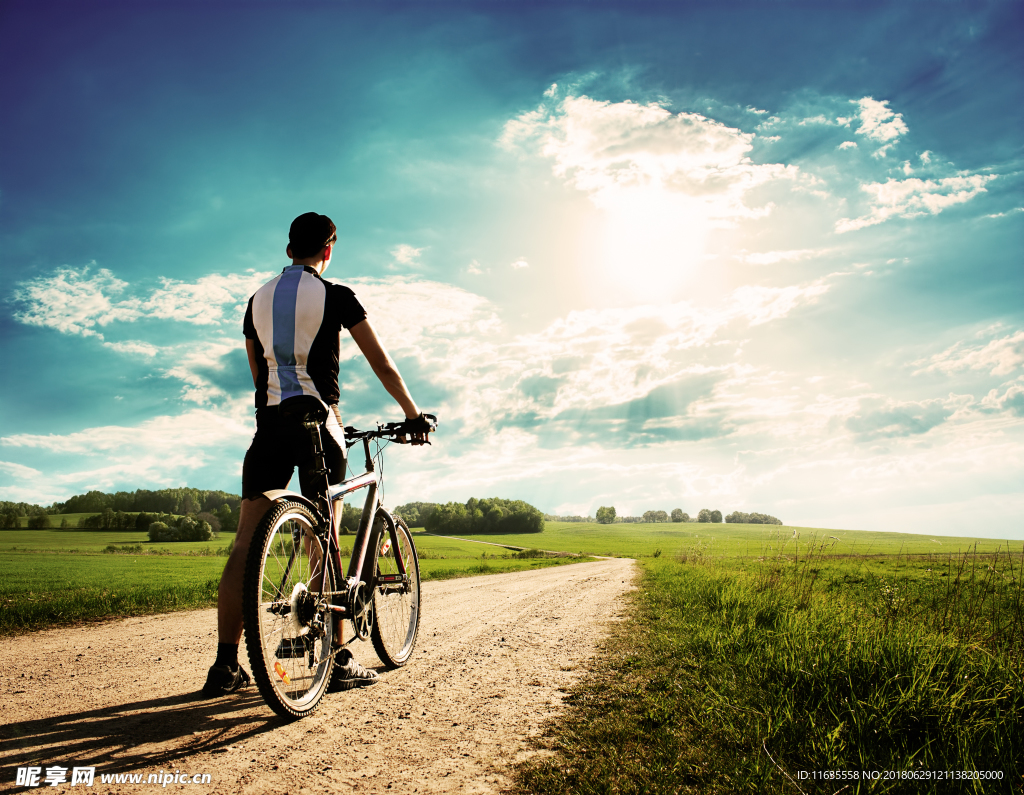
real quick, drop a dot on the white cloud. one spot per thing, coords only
(74, 302)
(184, 434)
(405, 254)
(193, 360)
(18, 471)
(474, 268)
(772, 257)
(412, 315)
(606, 148)
(999, 357)
(879, 123)
(520, 263)
(162, 451)
(847, 145)
(881, 418)
(77, 301)
(1011, 400)
(910, 198)
(1008, 212)
(133, 347)
(203, 302)
(603, 357)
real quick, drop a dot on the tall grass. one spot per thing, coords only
(744, 677)
(59, 608)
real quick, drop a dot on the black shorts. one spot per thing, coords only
(281, 444)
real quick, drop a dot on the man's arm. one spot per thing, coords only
(365, 337)
(250, 349)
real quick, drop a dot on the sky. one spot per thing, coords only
(738, 256)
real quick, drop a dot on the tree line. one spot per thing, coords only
(125, 510)
(179, 501)
(607, 515)
(488, 515)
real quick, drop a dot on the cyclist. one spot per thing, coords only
(292, 333)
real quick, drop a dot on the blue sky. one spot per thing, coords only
(759, 256)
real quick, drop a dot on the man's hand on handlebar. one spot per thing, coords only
(417, 429)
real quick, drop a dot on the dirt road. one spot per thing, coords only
(494, 656)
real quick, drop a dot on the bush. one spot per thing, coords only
(739, 517)
(493, 515)
(39, 522)
(159, 531)
(187, 528)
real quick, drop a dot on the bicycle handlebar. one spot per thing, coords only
(395, 431)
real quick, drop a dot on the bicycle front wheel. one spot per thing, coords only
(289, 627)
(396, 594)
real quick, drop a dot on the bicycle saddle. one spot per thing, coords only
(304, 408)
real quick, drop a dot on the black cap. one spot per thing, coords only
(309, 233)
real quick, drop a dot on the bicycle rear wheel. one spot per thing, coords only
(396, 595)
(288, 625)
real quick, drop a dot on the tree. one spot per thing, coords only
(350, 516)
(228, 517)
(159, 531)
(489, 515)
(211, 520)
(8, 520)
(716, 516)
(192, 529)
(739, 517)
(416, 513)
(704, 516)
(39, 521)
(606, 515)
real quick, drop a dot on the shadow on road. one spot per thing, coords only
(142, 734)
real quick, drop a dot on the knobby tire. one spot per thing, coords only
(274, 567)
(396, 611)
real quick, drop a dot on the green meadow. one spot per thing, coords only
(802, 667)
(729, 540)
(50, 577)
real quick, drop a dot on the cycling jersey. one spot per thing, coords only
(295, 321)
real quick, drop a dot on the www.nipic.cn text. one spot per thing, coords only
(54, 775)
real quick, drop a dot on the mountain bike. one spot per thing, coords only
(294, 593)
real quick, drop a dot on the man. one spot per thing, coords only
(292, 336)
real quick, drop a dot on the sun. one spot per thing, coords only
(653, 240)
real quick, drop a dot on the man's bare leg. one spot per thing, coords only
(339, 623)
(229, 596)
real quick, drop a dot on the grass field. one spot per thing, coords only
(744, 674)
(729, 540)
(87, 541)
(59, 576)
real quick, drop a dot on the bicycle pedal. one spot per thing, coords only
(290, 648)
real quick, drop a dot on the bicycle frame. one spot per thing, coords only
(361, 579)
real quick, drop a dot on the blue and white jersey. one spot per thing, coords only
(295, 321)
